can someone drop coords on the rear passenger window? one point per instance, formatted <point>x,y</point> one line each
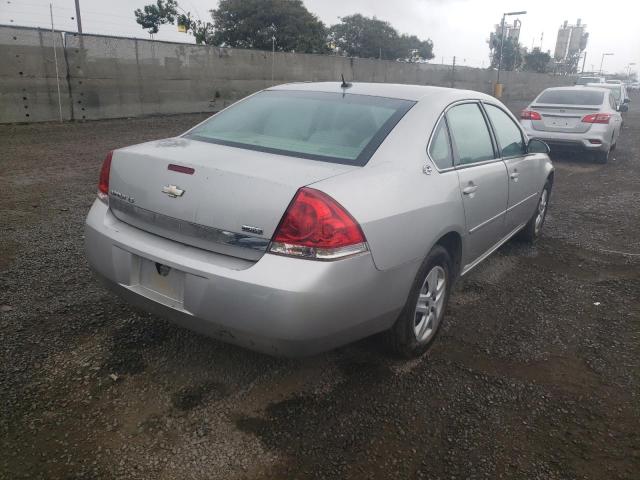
<point>470,133</point>
<point>440,149</point>
<point>508,133</point>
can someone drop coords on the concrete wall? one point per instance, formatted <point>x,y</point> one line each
<point>107,77</point>
<point>28,88</point>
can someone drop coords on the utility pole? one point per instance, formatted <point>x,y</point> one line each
<point>602,60</point>
<point>498,87</point>
<point>501,44</point>
<point>78,19</point>
<point>584,61</point>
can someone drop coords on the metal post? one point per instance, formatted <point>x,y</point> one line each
<point>501,44</point>
<point>453,72</point>
<point>583,61</point>
<point>601,62</point>
<point>273,54</point>
<point>78,19</point>
<point>55,60</point>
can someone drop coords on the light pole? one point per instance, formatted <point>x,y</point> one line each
<point>629,70</point>
<point>498,89</point>
<point>602,60</point>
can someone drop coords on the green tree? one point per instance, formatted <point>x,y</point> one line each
<point>511,56</point>
<point>537,61</point>
<point>411,42</point>
<point>150,17</point>
<point>253,23</point>
<point>360,36</point>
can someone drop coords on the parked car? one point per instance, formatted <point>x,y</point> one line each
<point>310,215</point>
<point>575,118</point>
<point>619,91</point>
<point>583,80</point>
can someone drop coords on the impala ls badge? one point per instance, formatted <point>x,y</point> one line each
<point>172,191</point>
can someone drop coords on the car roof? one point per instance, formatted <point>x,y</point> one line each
<point>390,90</point>
<point>577,88</point>
<point>608,86</point>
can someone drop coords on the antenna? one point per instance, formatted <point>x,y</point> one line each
<point>344,84</point>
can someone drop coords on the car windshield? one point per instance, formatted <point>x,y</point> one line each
<point>332,127</point>
<point>571,97</point>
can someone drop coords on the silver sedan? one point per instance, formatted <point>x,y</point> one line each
<point>310,215</point>
<point>585,119</point>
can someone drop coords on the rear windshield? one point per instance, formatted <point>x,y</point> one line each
<point>332,127</point>
<point>585,80</point>
<point>571,97</point>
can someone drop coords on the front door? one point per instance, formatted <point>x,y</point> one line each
<point>522,169</point>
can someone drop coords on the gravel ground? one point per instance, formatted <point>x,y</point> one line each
<point>536,373</point>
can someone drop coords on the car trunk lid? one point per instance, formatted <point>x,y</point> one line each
<point>562,118</point>
<point>224,199</point>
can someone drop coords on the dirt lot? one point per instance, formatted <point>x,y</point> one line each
<point>536,374</point>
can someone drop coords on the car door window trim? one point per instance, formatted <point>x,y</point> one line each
<point>522,135</point>
<point>456,160</point>
<point>456,164</point>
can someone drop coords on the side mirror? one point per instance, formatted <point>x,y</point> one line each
<point>536,145</point>
<point>627,100</point>
<point>623,108</point>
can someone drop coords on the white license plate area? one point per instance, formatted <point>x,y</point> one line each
<point>161,279</point>
<point>559,122</point>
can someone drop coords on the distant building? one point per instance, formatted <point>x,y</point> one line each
<point>511,30</point>
<point>571,42</point>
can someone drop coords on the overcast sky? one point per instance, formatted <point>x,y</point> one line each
<point>457,27</point>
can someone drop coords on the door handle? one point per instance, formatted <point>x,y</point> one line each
<point>471,189</point>
<point>514,176</point>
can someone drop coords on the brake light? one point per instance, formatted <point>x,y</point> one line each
<point>103,183</point>
<point>530,115</point>
<point>315,226</point>
<point>597,118</point>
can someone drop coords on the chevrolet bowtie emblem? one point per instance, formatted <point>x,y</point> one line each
<point>172,191</point>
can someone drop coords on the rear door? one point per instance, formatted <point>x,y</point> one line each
<point>523,171</point>
<point>481,175</point>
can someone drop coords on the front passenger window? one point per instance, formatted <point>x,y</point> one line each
<point>508,133</point>
<point>470,133</point>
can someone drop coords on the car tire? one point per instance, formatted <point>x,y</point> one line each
<point>421,318</point>
<point>532,229</point>
<point>601,157</point>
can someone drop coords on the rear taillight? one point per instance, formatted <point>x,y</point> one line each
<point>103,183</point>
<point>315,226</point>
<point>596,118</point>
<point>530,115</point>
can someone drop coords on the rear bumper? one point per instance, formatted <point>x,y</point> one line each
<point>573,141</point>
<point>277,305</point>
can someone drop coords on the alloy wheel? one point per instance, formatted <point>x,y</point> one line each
<point>542,210</point>
<point>428,311</point>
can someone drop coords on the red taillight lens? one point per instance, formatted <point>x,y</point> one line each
<point>596,118</point>
<point>103,183</point>
<point>530,115</point>
<point>316,226</point>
